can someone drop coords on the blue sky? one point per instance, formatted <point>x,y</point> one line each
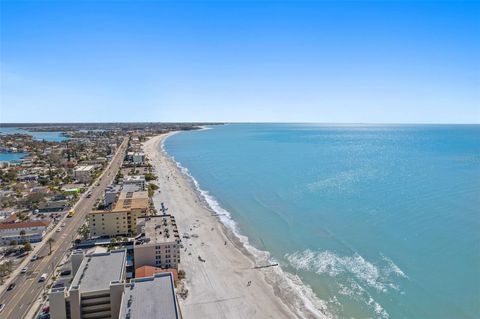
<point>375,62</point>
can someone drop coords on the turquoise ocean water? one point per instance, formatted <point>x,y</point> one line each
<point>380,221</point>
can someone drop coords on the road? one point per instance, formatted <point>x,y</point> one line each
<point>19,300</point>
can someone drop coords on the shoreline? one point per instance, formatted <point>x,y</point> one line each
<point>222,290</point>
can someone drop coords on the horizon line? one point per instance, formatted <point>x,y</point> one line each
<point>240,122</point>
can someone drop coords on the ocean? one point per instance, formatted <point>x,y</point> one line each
<point>380,221</point>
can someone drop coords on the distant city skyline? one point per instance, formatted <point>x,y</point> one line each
<point>326,62</point>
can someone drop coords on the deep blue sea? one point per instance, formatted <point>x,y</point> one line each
<point>381,221</point>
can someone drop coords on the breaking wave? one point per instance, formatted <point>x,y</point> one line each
<point>355,272</point>
<point>299,296</point>
<point>326,262</point>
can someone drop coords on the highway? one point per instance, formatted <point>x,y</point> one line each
<point>28,288</point>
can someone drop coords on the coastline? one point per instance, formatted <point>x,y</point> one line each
<point>218,287</point>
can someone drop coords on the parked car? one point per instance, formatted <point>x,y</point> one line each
<point>65,272</point>
<point>59,229</point>
<point>12,285</point>
<point>43,315</point>
<point>43,277</point>
<point>24,270</point>
<point>22,254</point>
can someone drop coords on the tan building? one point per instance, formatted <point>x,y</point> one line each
<point>122,219</point>
<point>160,244</point>
<point>96,290</point>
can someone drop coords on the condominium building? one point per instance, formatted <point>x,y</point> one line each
<point>138,180</point>
<point>138,158</point>
<point>113,191</point>
<point>96,289</point>
<point>84,173</point>
<point>32,231</point>
<point>122,219</point>
<point>150,298</point>
<point>159,245</point>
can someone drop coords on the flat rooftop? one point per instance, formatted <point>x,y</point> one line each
<point>150,297</point>
<point>131,200</point>
<point>134,178</point>
<point>160,229</point>
<point>99,269</point>
<point>124,188</point>
<point>84,168</point>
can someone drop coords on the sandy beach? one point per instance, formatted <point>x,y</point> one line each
<point>218,287</point>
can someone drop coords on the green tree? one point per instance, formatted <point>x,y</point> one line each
<point>118,177</point>
<point>50,241</point>
<point>84,232</point>
<point>151,189</point>
<point>5,269</point>
<point>32,200</point>
<point>150,177</point>
<point>27,246</point>
<point>22,235</point>
<point>9,176</point>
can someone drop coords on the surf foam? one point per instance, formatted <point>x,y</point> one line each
<point>299,296</point>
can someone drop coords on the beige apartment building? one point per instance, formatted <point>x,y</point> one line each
<point>122,219</point>
<point>159,245</point>
<point>96,290</point>
<point>99,290</point>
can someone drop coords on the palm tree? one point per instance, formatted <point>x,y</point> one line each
<point>84,232</point>
<point>22,235</point>
<point>50,241</point>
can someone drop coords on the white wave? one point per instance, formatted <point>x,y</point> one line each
<point>392,267</point>
<point>356,291</point>
<point>326,262</point>
<point>302,298</point>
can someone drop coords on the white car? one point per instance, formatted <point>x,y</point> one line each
<point>24,270</point>
<point>2,306</point>
<point>59,229</point>
<point>43,277</point>
<point>34,258</point>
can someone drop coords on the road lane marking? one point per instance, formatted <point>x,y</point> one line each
<point>75,223</point>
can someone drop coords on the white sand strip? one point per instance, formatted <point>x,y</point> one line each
<point>218,287</point>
